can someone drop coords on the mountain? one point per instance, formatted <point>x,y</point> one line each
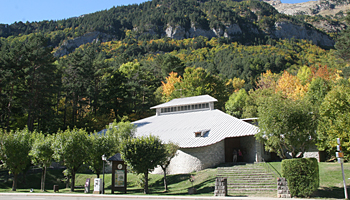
<point>112,63</point>
<point>326,15</point>
<point>237,20</point>
<point>320,7</point>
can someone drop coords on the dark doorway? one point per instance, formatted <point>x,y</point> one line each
<point>230,144</point>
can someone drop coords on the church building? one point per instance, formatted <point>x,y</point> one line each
<point>206,136</point>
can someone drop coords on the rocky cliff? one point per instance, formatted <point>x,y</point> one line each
<point>281,29</point>
<point>285,29</point>
<point>310,7</point>
<point>70,45</point>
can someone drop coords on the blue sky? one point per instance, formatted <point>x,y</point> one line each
<point>39,10</point>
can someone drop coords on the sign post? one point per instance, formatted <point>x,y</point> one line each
<point>340,157</point>
<point>104,158</point>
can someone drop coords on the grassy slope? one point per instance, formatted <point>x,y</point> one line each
<point>331,179</point>
<point>177,184</point>
<point>331,182</point>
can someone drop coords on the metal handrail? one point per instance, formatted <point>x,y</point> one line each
<point>270,168</point>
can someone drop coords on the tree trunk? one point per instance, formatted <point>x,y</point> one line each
<point>98,175</point>
<point>43,177</point>
<point>165,183</point>
<point>14,182</point>
<point>146,183</point>
<point>73,181</point>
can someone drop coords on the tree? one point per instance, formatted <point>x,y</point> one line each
<point>168,87</point>
<point>28,82</point>
<point>14,151</point>
<point>171,149</point>
<point>236,103</point>
<point>108,143</point>
<point>169,63</point>
<point>42,153</point>
<point>343,43</point>
<point>237,84</point>
<point>317,91</point>
<point>71,147</point>
<point>291,86</point>
<point>286,126</point>
<point>197,81</point>
<point>100,145</point>
<point>143,154</point>
<point>335,119</point>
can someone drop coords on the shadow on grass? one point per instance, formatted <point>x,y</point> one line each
<point>53,177</point>
<point>330,192</point>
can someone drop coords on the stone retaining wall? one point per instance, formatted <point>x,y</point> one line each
<point>282,188</point>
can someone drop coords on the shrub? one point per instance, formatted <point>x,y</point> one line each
<point>302,175</point>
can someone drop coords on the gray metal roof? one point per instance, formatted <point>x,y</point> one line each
<point>180,128</point>
<point>187,101</point>
<point>116,157</point>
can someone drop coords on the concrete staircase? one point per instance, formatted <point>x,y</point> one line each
<point>248,179</point>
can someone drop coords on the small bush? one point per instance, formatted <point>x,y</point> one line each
<point>302,175</point>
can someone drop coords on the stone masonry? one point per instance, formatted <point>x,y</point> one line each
<point>282,188</point>
<point>220,186</point>
<point>189,160</point>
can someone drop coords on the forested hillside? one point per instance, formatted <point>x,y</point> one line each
<point>90,70</point>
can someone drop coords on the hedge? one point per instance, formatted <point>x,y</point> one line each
<point>302,175</point>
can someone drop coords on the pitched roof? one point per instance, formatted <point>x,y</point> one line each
<point>116,157</point>
<point>180,128</point>
<point>187,101</point>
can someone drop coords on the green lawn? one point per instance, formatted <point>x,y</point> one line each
<point>177,184</point>
<point>331,182</point>
<point>331,178</point>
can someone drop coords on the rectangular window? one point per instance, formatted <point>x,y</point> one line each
<point>199,106</point>
<point>185,107</point>
<point>192,107</point>
<point>197,134</point>
<point>162,110</point>
<point>188,107</point>
<point>196,106</point>
<point>172,109</point>
<point>207,105</point>
<point>182,108</point>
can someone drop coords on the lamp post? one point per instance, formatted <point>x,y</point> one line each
<point>103,182</point>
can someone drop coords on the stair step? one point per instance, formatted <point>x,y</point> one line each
<point>248,179</point>
<point>250,190</point>
<point>254,184</point>
<point>247,175</point>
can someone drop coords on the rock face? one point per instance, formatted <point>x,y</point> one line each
<point>179,32</point>
<point>273,2</point>
<point>281,29</point>
<point>308,8</point>
<point>70,45</point>
<point>329,27</point>
<point>288,30</point>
